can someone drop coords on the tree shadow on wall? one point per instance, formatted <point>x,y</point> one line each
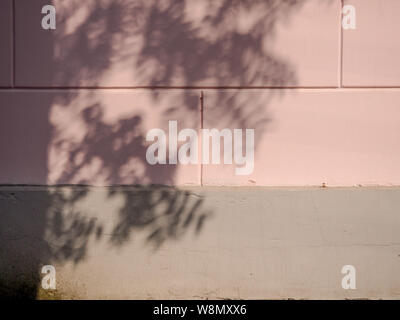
<point>88,136</point>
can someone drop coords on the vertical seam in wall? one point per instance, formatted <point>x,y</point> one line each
<point>341,46</point>
<point>13,45</point>
<point>200,141</point>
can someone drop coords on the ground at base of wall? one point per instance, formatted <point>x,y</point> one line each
<point>158,242</point>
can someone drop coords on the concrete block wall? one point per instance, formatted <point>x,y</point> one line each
<point>76,102</point>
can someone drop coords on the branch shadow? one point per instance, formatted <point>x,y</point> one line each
<point>143,43</point>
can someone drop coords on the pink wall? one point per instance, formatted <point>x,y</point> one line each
<point>76,102</point>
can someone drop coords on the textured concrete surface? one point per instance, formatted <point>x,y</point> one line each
<point>157,242</point>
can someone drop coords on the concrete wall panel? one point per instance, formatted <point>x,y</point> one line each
<point>186,43</point>
<point>311,137</point>
<point>6,43</point>
<point>371,51</point>
<point>86,137</point>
